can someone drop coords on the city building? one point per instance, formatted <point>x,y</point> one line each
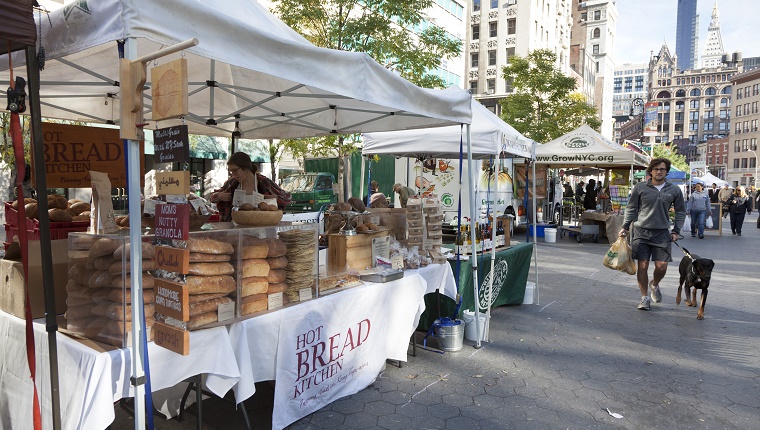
<point>687,34</point>
<point>713,54</point>
<point>594,32</point>
<point>742,146</point>
<point>500,29</point>
<point>693,104</point>
<point>630,82</point>
<point>717,156</point>
<point>451,16</point>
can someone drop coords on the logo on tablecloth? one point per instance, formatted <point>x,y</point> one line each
<point>500,270</point>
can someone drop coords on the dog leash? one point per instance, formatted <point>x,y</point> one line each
<point>685,251</point>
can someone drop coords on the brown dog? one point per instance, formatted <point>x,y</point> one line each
<point>695,272</point>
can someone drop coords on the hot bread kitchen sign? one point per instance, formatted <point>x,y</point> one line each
<point>72,151</point>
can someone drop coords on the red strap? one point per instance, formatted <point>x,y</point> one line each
<point>18,148</point>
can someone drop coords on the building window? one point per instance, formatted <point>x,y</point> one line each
<point>508,85</point>
<point>476,5</point>
<point>739,110</point>
<point>710,114</point>
<point>744,163</point>
<point>737,145</point>
<point>597,67</point>
<point>597,15</point>
<point>694,115</point>
<point>596,33</point>
<point>707,126</point>
<point>473,87</point>
<point>710,91</point>
<point>595,49</point>
<point>492,57</point>
<point>726,90</point>
<point>736,163</point>
<point>694,104</point>
<point>510,53</point>
<point>679,116</point>
<point>695,92</point>
<point>710,103</point>
<point>493,29</point>
<point>512,26</point>
<point>476,32</point>
<point>724,102</point>
<point>494,4</point>
<point>584,16</point>
<point>474,60</point>
<point>679,105</point>
<point>694,126</point>
<point>491,84</point>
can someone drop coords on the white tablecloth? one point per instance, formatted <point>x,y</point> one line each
<point>255,341</point>
<point>438,276</point>
<point>91,381</point>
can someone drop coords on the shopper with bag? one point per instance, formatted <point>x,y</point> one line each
<point>699,209</point>
<point>648,206</point>
<point>738,206</point>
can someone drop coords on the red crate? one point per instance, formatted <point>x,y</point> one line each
<point>56,232</point>
<point>11,217</point>
<point>11,231</point>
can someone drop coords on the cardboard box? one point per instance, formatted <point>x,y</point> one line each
<point>12,293</point>
<point>351,252</point>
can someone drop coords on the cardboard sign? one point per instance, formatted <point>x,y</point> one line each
<point>171,144</point>
<point>175,260</point>
<point>72,151</point>
<point>275,300</point>
<point>172,222</point>
<point>304,294</point>
<point>171,338</point>
<point>172,299</point>
<point>381,247</point>
<point>173,182</point>
<point>169,89</point>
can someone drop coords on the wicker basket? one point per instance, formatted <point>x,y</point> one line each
<point>257,218</point>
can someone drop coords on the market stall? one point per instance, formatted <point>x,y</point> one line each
<point>488,137</point>
<point>278,87</point>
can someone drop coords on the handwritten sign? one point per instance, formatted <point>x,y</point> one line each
<point>72,151</point>
<point>172,222</point>
<point>381,247</point>
<point>171,338</point>
<point>173,182</point>
<point>171,144</point>
<point>172,299</point>
<point>175,260</point>
<point>274,300</point>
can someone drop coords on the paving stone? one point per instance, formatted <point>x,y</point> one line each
<point>348,405</point>
<point>360,420</point>
<point>394,422</point>
<point>379,408</point>
<point>412,410</point>
<point>462,422</point>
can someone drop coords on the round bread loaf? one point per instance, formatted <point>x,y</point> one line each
<point>342,207</point>
<point>207,269</point>
<point>101,278</point>
<point>197,257</point>
<point>103,246</point>
<point>81,217</point>
<point>59,215</point>
<point>117,267</point>
<point>247,207</point>
<point>31,211</point>
<point>27,200</point>
<point>210,284</point>
<point>148,251</point>
<point>253,285</point>
<point>277,248</point>
<point>103,263</point>
<point>277,288</point>
<point>95,327</point>
<point>57,201</point>
<point>357,204</point>
<point>253,303</point>
<point>255,248</point>
<point>263,206</point>
<point>277,262</point>
<point>255,267</point>
<point>276,275</point>
<point>77,208</point>
<point>202,320</point>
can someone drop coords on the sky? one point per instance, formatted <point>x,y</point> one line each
<point>643,26</point>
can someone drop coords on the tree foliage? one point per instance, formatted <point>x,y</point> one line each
<point>544,105</point>
<point>666,151</point>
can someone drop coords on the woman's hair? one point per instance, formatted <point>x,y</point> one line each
<point>656,162</point>
<point>740,191</point>
<point>373,185</point>
<point>242,160</point>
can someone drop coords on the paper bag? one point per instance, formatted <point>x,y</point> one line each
<point>618,257</point>
<point>102,218</point>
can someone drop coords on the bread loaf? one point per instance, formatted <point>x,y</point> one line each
<point>117,328</point>
<point>81,217</point>
<point>209,246</point>
<point>147,281</point>
<point>203,297</point>
<point>95,327</point>
<point>31,210</point>
<point>198,308</point>
<point>209,269</point>
<point>197,257</point>
<point>119,312</point>
<point>80,274</point>
<point>57,201</point>
<point>116,295</point>
<point>27,200</point>
<point>253,303</point>
<point>357,204</point>
<point>257,249</point>
<point>255,267</point>
<point>59,215</point>
<point>202,320</point>
<point>103,246</point>
<point>276,275</point>
<point>104,263</point>
<point>79,207</point>
<point>78,256</point>
<point>101,278</point>
<point>277,262</point>
<point>83,241</point>
<point>210,284</point>
<point>277,248</point>
<point>116,268</point>
<point>253,285</point>
<point>277,288</point>
<point>78,300</point>
<point>148,251</point>
<point>74,312</point>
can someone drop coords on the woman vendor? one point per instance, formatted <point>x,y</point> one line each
<point>243,175</point>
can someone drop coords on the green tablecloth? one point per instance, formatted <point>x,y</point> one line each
<point>511,273</point>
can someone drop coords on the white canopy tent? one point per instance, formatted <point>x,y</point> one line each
<point>249,73</point>
<point>488,136</point>
<point>584,146</point>
<point>710,179</point>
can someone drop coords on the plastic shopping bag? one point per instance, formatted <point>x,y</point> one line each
<point>709,222</point>
<point>687,224</point>
<point>618,257</point>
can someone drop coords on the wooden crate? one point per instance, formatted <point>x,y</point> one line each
<point>351,252</point>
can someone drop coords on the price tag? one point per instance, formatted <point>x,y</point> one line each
<point>255,198</point>
<point>381,247</point>
<point>304,294</point>
<point>197,204</point>
<point>176,198</point>
<point>149,206</point>
<point>274,301</point>
<point>397,262</point>
<point>226,311</point>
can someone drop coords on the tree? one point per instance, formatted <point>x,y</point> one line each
<point>393,32</point>
<point>544,105</point>
<point>666,151</point>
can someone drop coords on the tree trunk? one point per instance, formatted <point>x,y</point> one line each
<point>341,171</point>
<point>272,159</point>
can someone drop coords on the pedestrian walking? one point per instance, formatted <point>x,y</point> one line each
<point>738,206</point>
<point>699,210</point>
<point>713,192</point>
<point>649,207</point>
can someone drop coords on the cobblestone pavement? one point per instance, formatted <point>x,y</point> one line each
<point>581,350</point>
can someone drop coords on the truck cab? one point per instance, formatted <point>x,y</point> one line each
<point>309,191</point>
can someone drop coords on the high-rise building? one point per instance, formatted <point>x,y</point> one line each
<point>500,29</point>
<point>713,52</point>
<point>687,34</point>
<point>630,82</point>
<point>742,146</point>
<point>595,31</point>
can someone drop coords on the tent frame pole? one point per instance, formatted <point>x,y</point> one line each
<point>473,220</point>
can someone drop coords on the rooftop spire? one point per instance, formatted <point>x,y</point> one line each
<point>714,47</point>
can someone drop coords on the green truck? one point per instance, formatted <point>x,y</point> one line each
<point>309,191</point>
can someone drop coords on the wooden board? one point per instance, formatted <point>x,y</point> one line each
<point>169,90</point>
<point>171,338</point>
<point>353,252</point>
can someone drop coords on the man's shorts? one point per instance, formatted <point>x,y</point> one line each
<point>652,245</point>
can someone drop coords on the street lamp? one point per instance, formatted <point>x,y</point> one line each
<point>638,101</point>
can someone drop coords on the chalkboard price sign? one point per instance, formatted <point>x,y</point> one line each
<point>171,144</point>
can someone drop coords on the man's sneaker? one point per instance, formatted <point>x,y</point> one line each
<point>656,294</point>
<point>644,303</point>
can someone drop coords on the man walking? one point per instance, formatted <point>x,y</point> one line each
<point>713,192</point>
<point>648,207</point>
<point>723,195</point>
